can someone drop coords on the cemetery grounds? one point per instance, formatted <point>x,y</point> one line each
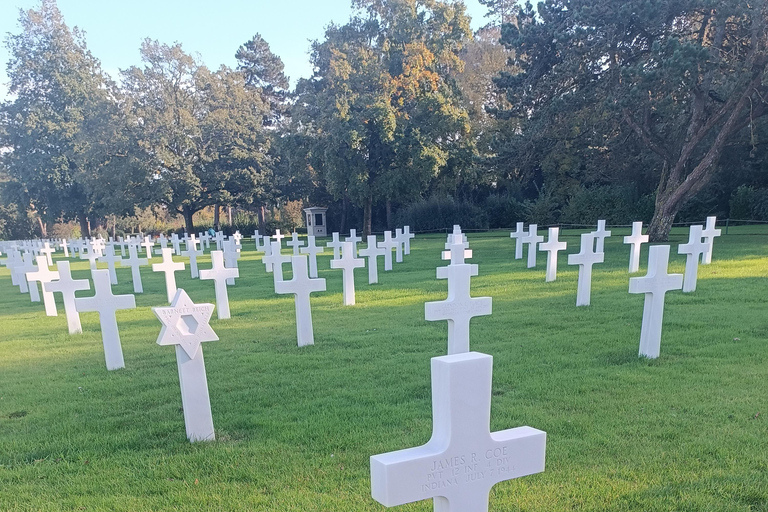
<point>295,427</point>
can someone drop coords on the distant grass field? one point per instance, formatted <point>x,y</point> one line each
<point>295,427</point>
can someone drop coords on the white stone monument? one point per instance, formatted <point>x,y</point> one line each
<point>709,233</point>
<point>533,239</point>
<point>47,251</point>
<point>400,238</point>
<point>463,459</point>
<point>518,236</point>
<point>552,246</point>
<point>168,267</point>
<point>600,235</point>
<point>107,304</point>
<point>295,243</point>
<point>231,255</point>
<point>354,239</point>
<point>279,238</point>
<point>408,237</point>
<point>276,259</point>
<point>186,325</point>
<point>220,275</point>
<point>148,244</point>
<point>91,255</point>
<point>694,249</point>
<point>585,259</point>
<point>372,252</point>
<point>655,286</point>
<point>135,262</point>
<point>635,240</point>
<point>301,286</point>
<point>43,275</point>
<point>348,263</point>
<point>335,244</point>
<point>312,251</point>
<point>388,245</point>
<point>110,259</point>
<point>67,287</point>
<point>459,308</point>
<point>27,267</point>
<point>192,253</point>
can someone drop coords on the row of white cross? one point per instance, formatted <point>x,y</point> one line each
<point>463,460</point>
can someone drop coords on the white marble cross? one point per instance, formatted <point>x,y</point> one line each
<point>163,241</point>
<point>388,244</point>
<point>585,259</point>
<point>372,252</point>
<point>25,268</point>
<point>19,266</point>
<point>266,260</point>
<point>220,276</point>
<point>295,243</point>
<point>636,240</point>
<point>186,325</point>
<point>694,249</point>
<point>301,286</point>
<point>656,283</point>
<point>533,239</point>
<point>518,236</point>
<point>279,238</point>
<point>121,243</point>
<point>148,244</point>
<point>335,244</point>
<point>176,244</point>
<point>456,237</point>
<point>107,304</point>
<point>260,241</point>
<point>400,247</point>
<point>709,233</point>
<point>600,235</point>
<point>47,251</point>
<point>219,239</point>
<point>205,239</point>
<point>67,287</point>
<point>348,263</point>
<point>169,268</point>
<point>312,250</point>
<point>460,307</point>
<point>354,239</point>
<point>110,258</point>
<point>43,275</point>
<point>64,247</point>
<point>463,459</point>
<point>551,247</point>
<point>275,259</point>
<point>408,237</point>
<point>192,253</point>
<point>135,262</point>
<point>89,254</point>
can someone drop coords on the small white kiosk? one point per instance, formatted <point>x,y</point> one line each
<point>316,225</point>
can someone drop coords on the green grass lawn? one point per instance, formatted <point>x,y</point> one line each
<point>296,427</point>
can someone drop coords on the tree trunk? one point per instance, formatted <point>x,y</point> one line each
<point>229,215</point>
<point>344,205</point>
<point>189,225</point>
<point>216,219</point>
<point>389,214</point>
<point>367,214</point>
<point>262,219</point>
<point>43,227</point>
<point>85,226</point>
<point>663,217</point>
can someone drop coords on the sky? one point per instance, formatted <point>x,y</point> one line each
<point>213,29</point>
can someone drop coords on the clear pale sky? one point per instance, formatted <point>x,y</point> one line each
<point>214,29</point>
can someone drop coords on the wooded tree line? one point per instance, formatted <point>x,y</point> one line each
<point>640,109</point>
